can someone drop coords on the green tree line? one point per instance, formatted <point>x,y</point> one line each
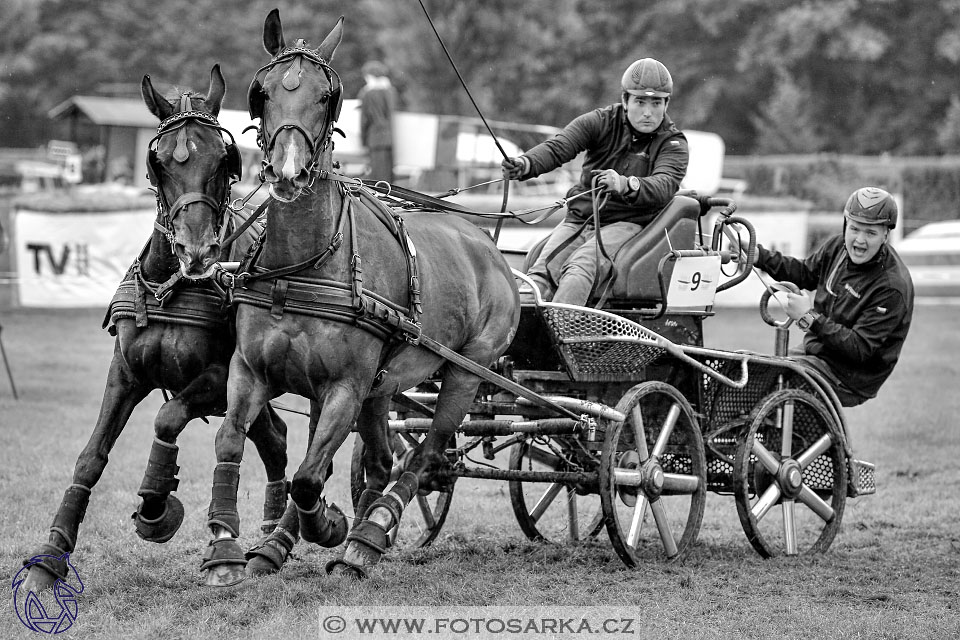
<point>770,76</point>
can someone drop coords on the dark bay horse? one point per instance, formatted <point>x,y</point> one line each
<point>336,300</point>
<point>172,329</point>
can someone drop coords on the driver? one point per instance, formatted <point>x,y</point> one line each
<point>861,311</point>
<point>639,158</point>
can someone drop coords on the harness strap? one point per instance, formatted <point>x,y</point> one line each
<point>278,296</point>
<point>246,223</point>
<point>317,261</point>
<point>395,224</point>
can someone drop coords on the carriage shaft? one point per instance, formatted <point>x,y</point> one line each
<point>551,426</point>
<point>565,477</point>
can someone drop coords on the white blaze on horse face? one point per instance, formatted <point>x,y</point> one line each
<point>289,169</point>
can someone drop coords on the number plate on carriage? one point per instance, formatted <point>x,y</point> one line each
<point>694,281</point>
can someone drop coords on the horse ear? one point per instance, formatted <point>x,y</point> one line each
<point>156,103</point>
<point>331,42</point>
<point>218,88</point>
<point>273,33</point>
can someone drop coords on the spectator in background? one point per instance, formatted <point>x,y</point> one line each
<point>378,100</point>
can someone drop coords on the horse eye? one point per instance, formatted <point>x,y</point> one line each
<point>324,98</point>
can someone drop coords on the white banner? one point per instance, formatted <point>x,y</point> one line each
<point>76,259</point>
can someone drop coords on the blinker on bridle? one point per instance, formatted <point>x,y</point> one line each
<point>176,123</point>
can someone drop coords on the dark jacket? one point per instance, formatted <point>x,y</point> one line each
<point>659,159</point>
<point>865,309</point>
<point>376,109</point>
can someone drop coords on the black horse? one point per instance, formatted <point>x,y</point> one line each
<point>172,328</point>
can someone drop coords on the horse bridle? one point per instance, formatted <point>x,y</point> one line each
<point>167,212</point>
<point>256,97</point>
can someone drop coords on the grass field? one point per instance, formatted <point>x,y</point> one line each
<point>892,572</point>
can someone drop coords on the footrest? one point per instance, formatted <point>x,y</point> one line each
<point>867,484</point>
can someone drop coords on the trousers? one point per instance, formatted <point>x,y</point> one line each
<point>570,265</point>
<point>846,396</point>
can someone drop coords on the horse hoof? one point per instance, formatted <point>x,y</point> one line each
<point>162,528</point>
<point>223,563</point>
<point>224,575</point>
<point>38,579</point>
<point>342,568</point>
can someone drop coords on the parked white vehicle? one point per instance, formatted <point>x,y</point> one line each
<point>932,253</point>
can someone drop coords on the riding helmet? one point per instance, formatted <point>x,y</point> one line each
<point>647,77</point>
<point>871,205</point>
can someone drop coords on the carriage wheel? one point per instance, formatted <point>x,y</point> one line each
<point>790,490</point>
<point>553,511</point>
<point>425,515</point>
<point>653,475</point>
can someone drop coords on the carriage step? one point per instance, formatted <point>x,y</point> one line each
<point>867,484</point>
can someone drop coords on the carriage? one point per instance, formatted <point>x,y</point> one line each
<point>609,414</point>
<point>650,419</point>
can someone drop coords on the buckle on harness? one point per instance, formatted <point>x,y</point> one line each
<point>411,331</point>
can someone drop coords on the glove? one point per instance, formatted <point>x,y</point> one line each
<point>612,181</point>
<point>515,168</point>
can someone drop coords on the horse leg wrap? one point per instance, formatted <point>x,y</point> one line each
<point>270,553</point>
<point>222,551</point>
<point>223,506</point>
<point>323,525</point>
<point>368,540</point>
<point>66,524</point>
<point>274,504</point>
<point>366,499</point>
<point>158,481</point>
<point>160,477</point>
<point>55,565</point>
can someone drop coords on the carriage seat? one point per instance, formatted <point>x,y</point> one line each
<point>637,261</point>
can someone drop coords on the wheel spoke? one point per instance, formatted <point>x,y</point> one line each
<point>545,501</point>
<point>663,526</point>
<point>542,456</point>
<point>822,445</point>
<point>816,503</point>
<point>769,461</point>
<point>668,424</point>
<point>636,521</point>
<point>675,484</point>
<point>789,528</point>
<point>786,426</point>
<point>767,500</point>
<point>426,511</point>
<point>409,441</point>
<point>572,513</point>
<point>638,433</point>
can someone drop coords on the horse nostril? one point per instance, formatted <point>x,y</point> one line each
<point>212,254</point>
<point>269,174</point>
<point>179,249</point>
<point>302,179</point>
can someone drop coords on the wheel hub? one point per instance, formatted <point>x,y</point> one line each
<point>652,474</point>
<point>628,494</point>
<point>790,478</point>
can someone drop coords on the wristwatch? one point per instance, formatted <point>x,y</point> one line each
<point>633,184</point>
<point>806,321</point>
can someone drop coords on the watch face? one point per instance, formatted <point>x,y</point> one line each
<point>634,183</point>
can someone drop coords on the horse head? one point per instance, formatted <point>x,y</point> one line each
<point>191,166</point>
<point>297,96</point>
